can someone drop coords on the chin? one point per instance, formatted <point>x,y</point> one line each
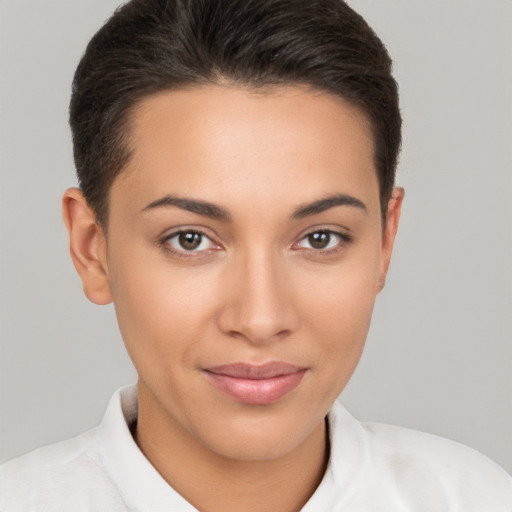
<point>250,448</point>
<point>258,439</point>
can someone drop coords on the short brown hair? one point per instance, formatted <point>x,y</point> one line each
<point>152,45</point>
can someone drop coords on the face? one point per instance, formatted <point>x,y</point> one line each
<point>245,251</point>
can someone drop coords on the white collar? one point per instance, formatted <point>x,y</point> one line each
<point>143,488</point>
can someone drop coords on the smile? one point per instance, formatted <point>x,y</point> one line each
<point>256,384</point>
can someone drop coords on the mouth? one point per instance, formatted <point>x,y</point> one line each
<point>256,384</point>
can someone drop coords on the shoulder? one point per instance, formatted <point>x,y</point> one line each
<point>375,466</point>
<point>417,461</point>
<point>57,477</point>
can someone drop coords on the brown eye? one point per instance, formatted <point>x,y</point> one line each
<point>324,240</point>
<point>190,240</point>
<point>319,240</point>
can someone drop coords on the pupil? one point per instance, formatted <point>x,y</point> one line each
<point>319,240</point>
<point>190,241</point>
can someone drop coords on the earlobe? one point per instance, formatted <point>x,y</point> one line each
<point>87,245</point>
<point>389,234</point>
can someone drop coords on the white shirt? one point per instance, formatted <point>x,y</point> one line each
<point>372,468</point>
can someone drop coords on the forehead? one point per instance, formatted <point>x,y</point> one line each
<point>228,142</point>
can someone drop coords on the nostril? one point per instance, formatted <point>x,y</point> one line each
<point>269,329</point>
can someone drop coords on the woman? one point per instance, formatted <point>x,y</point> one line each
<point>237,205</point>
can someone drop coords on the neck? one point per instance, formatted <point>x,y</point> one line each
<point>214,483</point>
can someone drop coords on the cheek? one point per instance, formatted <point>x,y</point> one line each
<point>161,310</point>
<point>336,313</point>
<point>340,317</point>
<point>341,298</point>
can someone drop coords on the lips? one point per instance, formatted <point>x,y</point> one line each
<point>256,384</point>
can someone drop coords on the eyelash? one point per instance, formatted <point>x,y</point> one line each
<point>164,243</point>
<point>344,240</point>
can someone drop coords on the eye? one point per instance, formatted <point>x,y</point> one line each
<point>323,240</point>
<point>189,241</point>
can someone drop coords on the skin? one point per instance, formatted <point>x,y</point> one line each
<point>254,291</point>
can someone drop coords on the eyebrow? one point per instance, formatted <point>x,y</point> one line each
<point>216,212</point>
<point>325,204</point>
<point>191,205</point>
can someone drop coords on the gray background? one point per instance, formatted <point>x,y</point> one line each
<point>439,354</point>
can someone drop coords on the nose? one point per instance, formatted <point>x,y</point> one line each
<point>258,305</point>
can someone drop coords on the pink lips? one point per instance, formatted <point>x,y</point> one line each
<point>256,384</point>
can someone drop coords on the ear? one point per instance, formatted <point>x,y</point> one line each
<point>87,245</point>
<point>389,233</point>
